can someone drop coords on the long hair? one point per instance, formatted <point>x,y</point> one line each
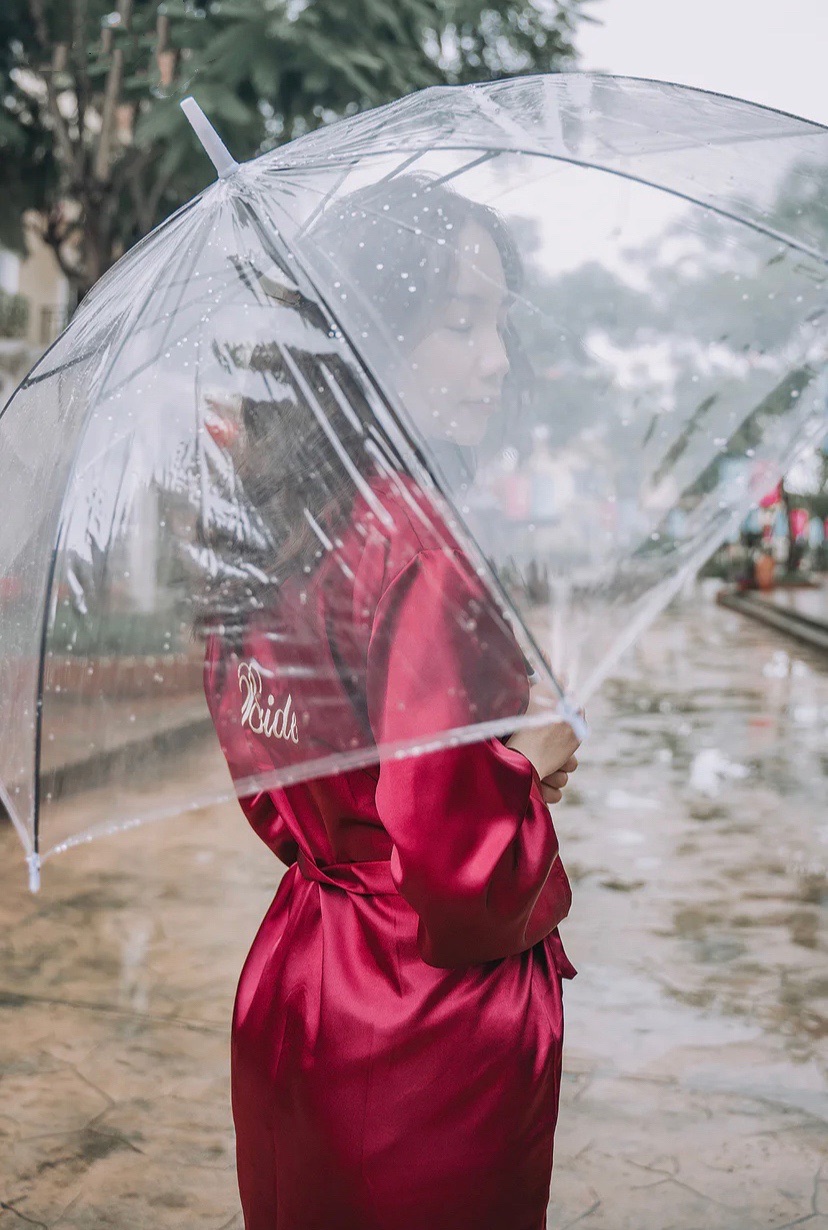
<point>288,469</point>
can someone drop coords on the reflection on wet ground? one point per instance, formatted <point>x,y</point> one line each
<point>696,1083</point>
<point>695,1090</point>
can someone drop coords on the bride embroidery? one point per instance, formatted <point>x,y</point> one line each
<point>264,719</point>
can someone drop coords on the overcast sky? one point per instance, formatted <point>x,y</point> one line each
<point>769,51</point>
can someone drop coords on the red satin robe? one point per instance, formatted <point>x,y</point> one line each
<point>397,1033</point>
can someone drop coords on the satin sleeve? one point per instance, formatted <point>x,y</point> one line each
<point>267,822</point>
<point>474,843</point>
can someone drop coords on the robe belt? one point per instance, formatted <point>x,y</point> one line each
<point>371,879</point>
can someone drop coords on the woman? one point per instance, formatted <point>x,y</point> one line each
<point>398,1026</point>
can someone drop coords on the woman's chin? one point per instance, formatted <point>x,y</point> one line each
<point>469,437</point>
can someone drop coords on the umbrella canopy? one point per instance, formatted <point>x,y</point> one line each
<point>551,332</point>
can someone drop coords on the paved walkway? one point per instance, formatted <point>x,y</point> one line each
<point>695,1089</point>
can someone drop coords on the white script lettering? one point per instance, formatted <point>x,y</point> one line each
<point>265,719</point>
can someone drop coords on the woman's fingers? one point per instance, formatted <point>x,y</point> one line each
<point>550,794</point>
<point>552,787</point>
<point>557,780</point>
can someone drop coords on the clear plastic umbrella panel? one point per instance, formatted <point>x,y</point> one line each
<point>563,329</point>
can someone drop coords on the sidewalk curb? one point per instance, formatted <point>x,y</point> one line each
<point>71,778</point>
<point>802,627</point>
<point>93,771</point>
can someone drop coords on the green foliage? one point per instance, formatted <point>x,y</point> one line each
<point>263,70</point>
<point>14,315</point>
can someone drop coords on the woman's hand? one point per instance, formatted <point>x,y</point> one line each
<point>551,748</point>
<point>552,787</point>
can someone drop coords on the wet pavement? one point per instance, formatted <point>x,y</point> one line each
<point>695,1090</point>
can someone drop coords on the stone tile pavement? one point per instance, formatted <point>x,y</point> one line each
<point>695,1090</point>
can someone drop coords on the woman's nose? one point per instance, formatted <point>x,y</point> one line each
<point>494,358</point>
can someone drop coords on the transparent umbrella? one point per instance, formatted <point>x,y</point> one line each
<point>539,343</point>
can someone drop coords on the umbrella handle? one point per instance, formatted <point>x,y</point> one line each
<point>33,861</point>
<point>214,147</point>
<point>571,715</point>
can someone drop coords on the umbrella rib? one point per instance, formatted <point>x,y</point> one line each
<point>33,379</point>
<point>104,391</point>
<point>44,631</point>
<point>309,221</point>
<point>762,229</point>
<point>476,162</point>
<point>34,864</point>
<point>319,414</point>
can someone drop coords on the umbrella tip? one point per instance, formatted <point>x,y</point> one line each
<point>34,872</point>
<point>214,147</point>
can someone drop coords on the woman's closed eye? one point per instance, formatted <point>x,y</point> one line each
<point>461,325</point>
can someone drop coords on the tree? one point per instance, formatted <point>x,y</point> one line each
<point>91,135</point>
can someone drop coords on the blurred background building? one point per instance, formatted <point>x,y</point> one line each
<point>34,306</point>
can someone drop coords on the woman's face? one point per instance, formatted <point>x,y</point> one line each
<point>457,370</point>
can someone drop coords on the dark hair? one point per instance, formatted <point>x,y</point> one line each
<point>291,477</point>
<point>401,225</point>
